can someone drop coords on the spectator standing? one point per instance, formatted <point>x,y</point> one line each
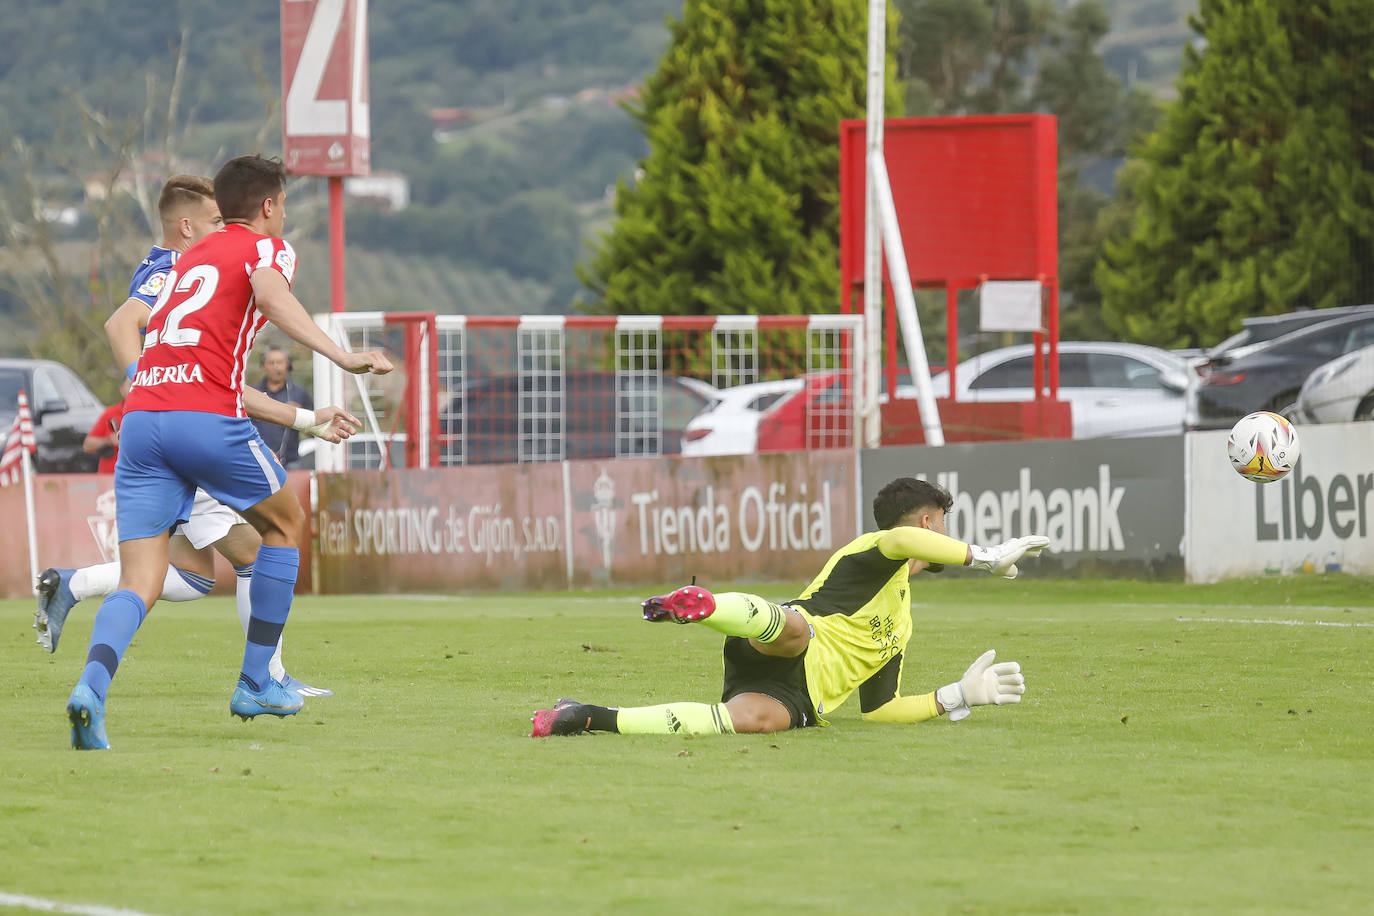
<point>276,383</point>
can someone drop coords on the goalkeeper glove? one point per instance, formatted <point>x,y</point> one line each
<point>983,684</point>
<point>1001,560</point>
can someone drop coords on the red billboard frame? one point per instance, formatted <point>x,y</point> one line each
<point>976,200</point>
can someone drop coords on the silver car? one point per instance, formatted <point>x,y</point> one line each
<point>1339,391</point>
<point>1114,389</point>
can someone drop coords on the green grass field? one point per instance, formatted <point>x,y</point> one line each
<point>1172,755</point>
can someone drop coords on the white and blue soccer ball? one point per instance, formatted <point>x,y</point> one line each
<point>1263,447</point>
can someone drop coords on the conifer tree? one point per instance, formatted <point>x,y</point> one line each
<point>735,210</point>
<point>1256,194</point>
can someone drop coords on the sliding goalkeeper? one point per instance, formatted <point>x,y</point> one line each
<point>787,666</point>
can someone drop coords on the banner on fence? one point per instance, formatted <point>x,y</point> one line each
<point>75,515</point>
<point>584,524</point>
<point>1317,519</point>
<point>1109,507</point>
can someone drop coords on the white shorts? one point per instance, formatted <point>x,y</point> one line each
<point>210,520</point>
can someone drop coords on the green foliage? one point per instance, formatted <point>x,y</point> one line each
<point>1163,760</point>
<point>1256,194</point>
<point>736,208</point>
<point>1003,56</point>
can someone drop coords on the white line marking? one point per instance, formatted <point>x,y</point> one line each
<point>1271,620</point>
<point>54,906</point>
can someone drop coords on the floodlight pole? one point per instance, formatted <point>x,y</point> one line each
<point>873,251</point>
<point>880,227</point>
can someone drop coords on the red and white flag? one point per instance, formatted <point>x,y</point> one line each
<point>20,438</point>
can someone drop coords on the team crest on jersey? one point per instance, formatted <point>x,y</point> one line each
<point>153,285</point>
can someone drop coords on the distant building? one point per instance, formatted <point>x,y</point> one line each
<point>391,189</point>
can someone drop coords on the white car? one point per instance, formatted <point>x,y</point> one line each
<point>729,423</point>
<point>1114,389</point>
<point>1339,391</point>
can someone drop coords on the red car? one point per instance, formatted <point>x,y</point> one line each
<point>819,415</point>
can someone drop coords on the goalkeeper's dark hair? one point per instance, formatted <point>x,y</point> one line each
<point>905,494</point>
<point>244,183</point>
<point>181,190</point>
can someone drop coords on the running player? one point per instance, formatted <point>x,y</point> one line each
<point>186,427</point>
<point>187,212</point>
<point>786,666</point>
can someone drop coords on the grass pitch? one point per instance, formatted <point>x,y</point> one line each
<point>1181,749</point>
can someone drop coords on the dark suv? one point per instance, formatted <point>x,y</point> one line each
<point>1268,375</point>
<point>1261,328</point>
<point>63,409</point>
<point>580,414</point>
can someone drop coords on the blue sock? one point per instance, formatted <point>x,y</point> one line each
<point>116,622</point>
<point>270,592</point>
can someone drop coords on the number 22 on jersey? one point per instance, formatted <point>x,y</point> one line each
<point>200,281</point>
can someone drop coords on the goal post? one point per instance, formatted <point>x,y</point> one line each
<point>492,389</point>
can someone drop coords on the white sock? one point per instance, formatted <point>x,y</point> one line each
<point>244,576</point>
<point>96,580</point>
<point>180,585</point>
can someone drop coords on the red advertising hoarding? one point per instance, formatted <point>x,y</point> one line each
<point>585,524</point>
<point>74,515</point>
<point>325,117</point>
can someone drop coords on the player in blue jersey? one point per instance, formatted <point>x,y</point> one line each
<point>188,213</point>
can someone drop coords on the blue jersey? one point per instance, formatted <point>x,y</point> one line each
<point>151,275</point>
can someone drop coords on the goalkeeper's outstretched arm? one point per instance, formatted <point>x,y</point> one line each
<point>986,683</point>
<point>907,542</point>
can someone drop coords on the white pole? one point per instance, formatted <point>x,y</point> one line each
<point>912,338</point>
<point>873,252</point>
<point>27,469</point>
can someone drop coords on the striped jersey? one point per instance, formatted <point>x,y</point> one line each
<point>860,609</point>
<point>203,323</point>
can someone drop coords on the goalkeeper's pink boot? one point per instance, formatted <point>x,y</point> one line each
<point>686,605</point>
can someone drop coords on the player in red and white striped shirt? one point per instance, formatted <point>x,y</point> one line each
<point>185,426</point>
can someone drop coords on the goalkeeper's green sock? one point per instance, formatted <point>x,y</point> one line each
<point>675,718</point>
<point>748,616</point>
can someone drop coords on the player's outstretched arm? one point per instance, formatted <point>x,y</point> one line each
<point>987,682</point>
<point>906,542</point>
<point>273,297</point>
<point>332,424</point>
<point>124,330</point>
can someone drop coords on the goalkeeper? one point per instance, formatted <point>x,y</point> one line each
<point>787,666</point>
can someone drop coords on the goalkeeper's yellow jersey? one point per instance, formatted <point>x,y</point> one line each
<point>860,609</point>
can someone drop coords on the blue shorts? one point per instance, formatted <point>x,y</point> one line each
<point>165,455</point>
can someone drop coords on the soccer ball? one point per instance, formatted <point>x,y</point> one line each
<point>1263,447</point>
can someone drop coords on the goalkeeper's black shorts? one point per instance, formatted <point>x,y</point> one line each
<point>747,670</point>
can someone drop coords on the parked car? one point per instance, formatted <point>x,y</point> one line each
<point>590,414</point>
<point>1268,375</point>
<point>1339,391</point>
<point>819,414</point>
<point>1261,328</point>
<point>729,423</point>
<point>1113,389</point>
<point>63,410</point>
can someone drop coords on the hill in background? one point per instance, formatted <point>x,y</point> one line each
<point>502,121</point>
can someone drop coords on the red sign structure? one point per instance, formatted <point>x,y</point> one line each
<point>976,200</point>
<point>325,119</point>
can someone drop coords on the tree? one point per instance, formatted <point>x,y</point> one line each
<point>1256,194</point>
<point>735,209</point>
<point>963,57</point>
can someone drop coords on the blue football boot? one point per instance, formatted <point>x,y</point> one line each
<point>55,599</point>
<point>87,715</point>
<point>272,700</point>
<point>303,689</point>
